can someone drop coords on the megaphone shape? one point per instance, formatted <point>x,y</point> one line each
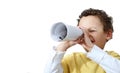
<point>62,32</point>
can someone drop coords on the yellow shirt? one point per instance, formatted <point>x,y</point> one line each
<point>79,63</point>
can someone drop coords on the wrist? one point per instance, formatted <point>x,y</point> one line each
<point>64,46</point>
<point>88,49</point>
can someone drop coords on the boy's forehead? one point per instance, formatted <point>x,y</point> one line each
<point>90,21</point>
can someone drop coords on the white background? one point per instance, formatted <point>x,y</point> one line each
<point>25,25</point>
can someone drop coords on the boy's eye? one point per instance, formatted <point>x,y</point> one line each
<point>93,30</point>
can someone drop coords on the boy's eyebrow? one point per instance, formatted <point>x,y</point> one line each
<point>92,29</point>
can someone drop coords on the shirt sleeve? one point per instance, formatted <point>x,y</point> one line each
<point>54,63</point>
<point>107,62</point>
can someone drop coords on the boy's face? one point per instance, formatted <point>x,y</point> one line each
<point>94,27</point>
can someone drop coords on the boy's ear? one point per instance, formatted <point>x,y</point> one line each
<point>109,35</point>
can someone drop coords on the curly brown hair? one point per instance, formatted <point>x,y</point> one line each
<point>102,15</point>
